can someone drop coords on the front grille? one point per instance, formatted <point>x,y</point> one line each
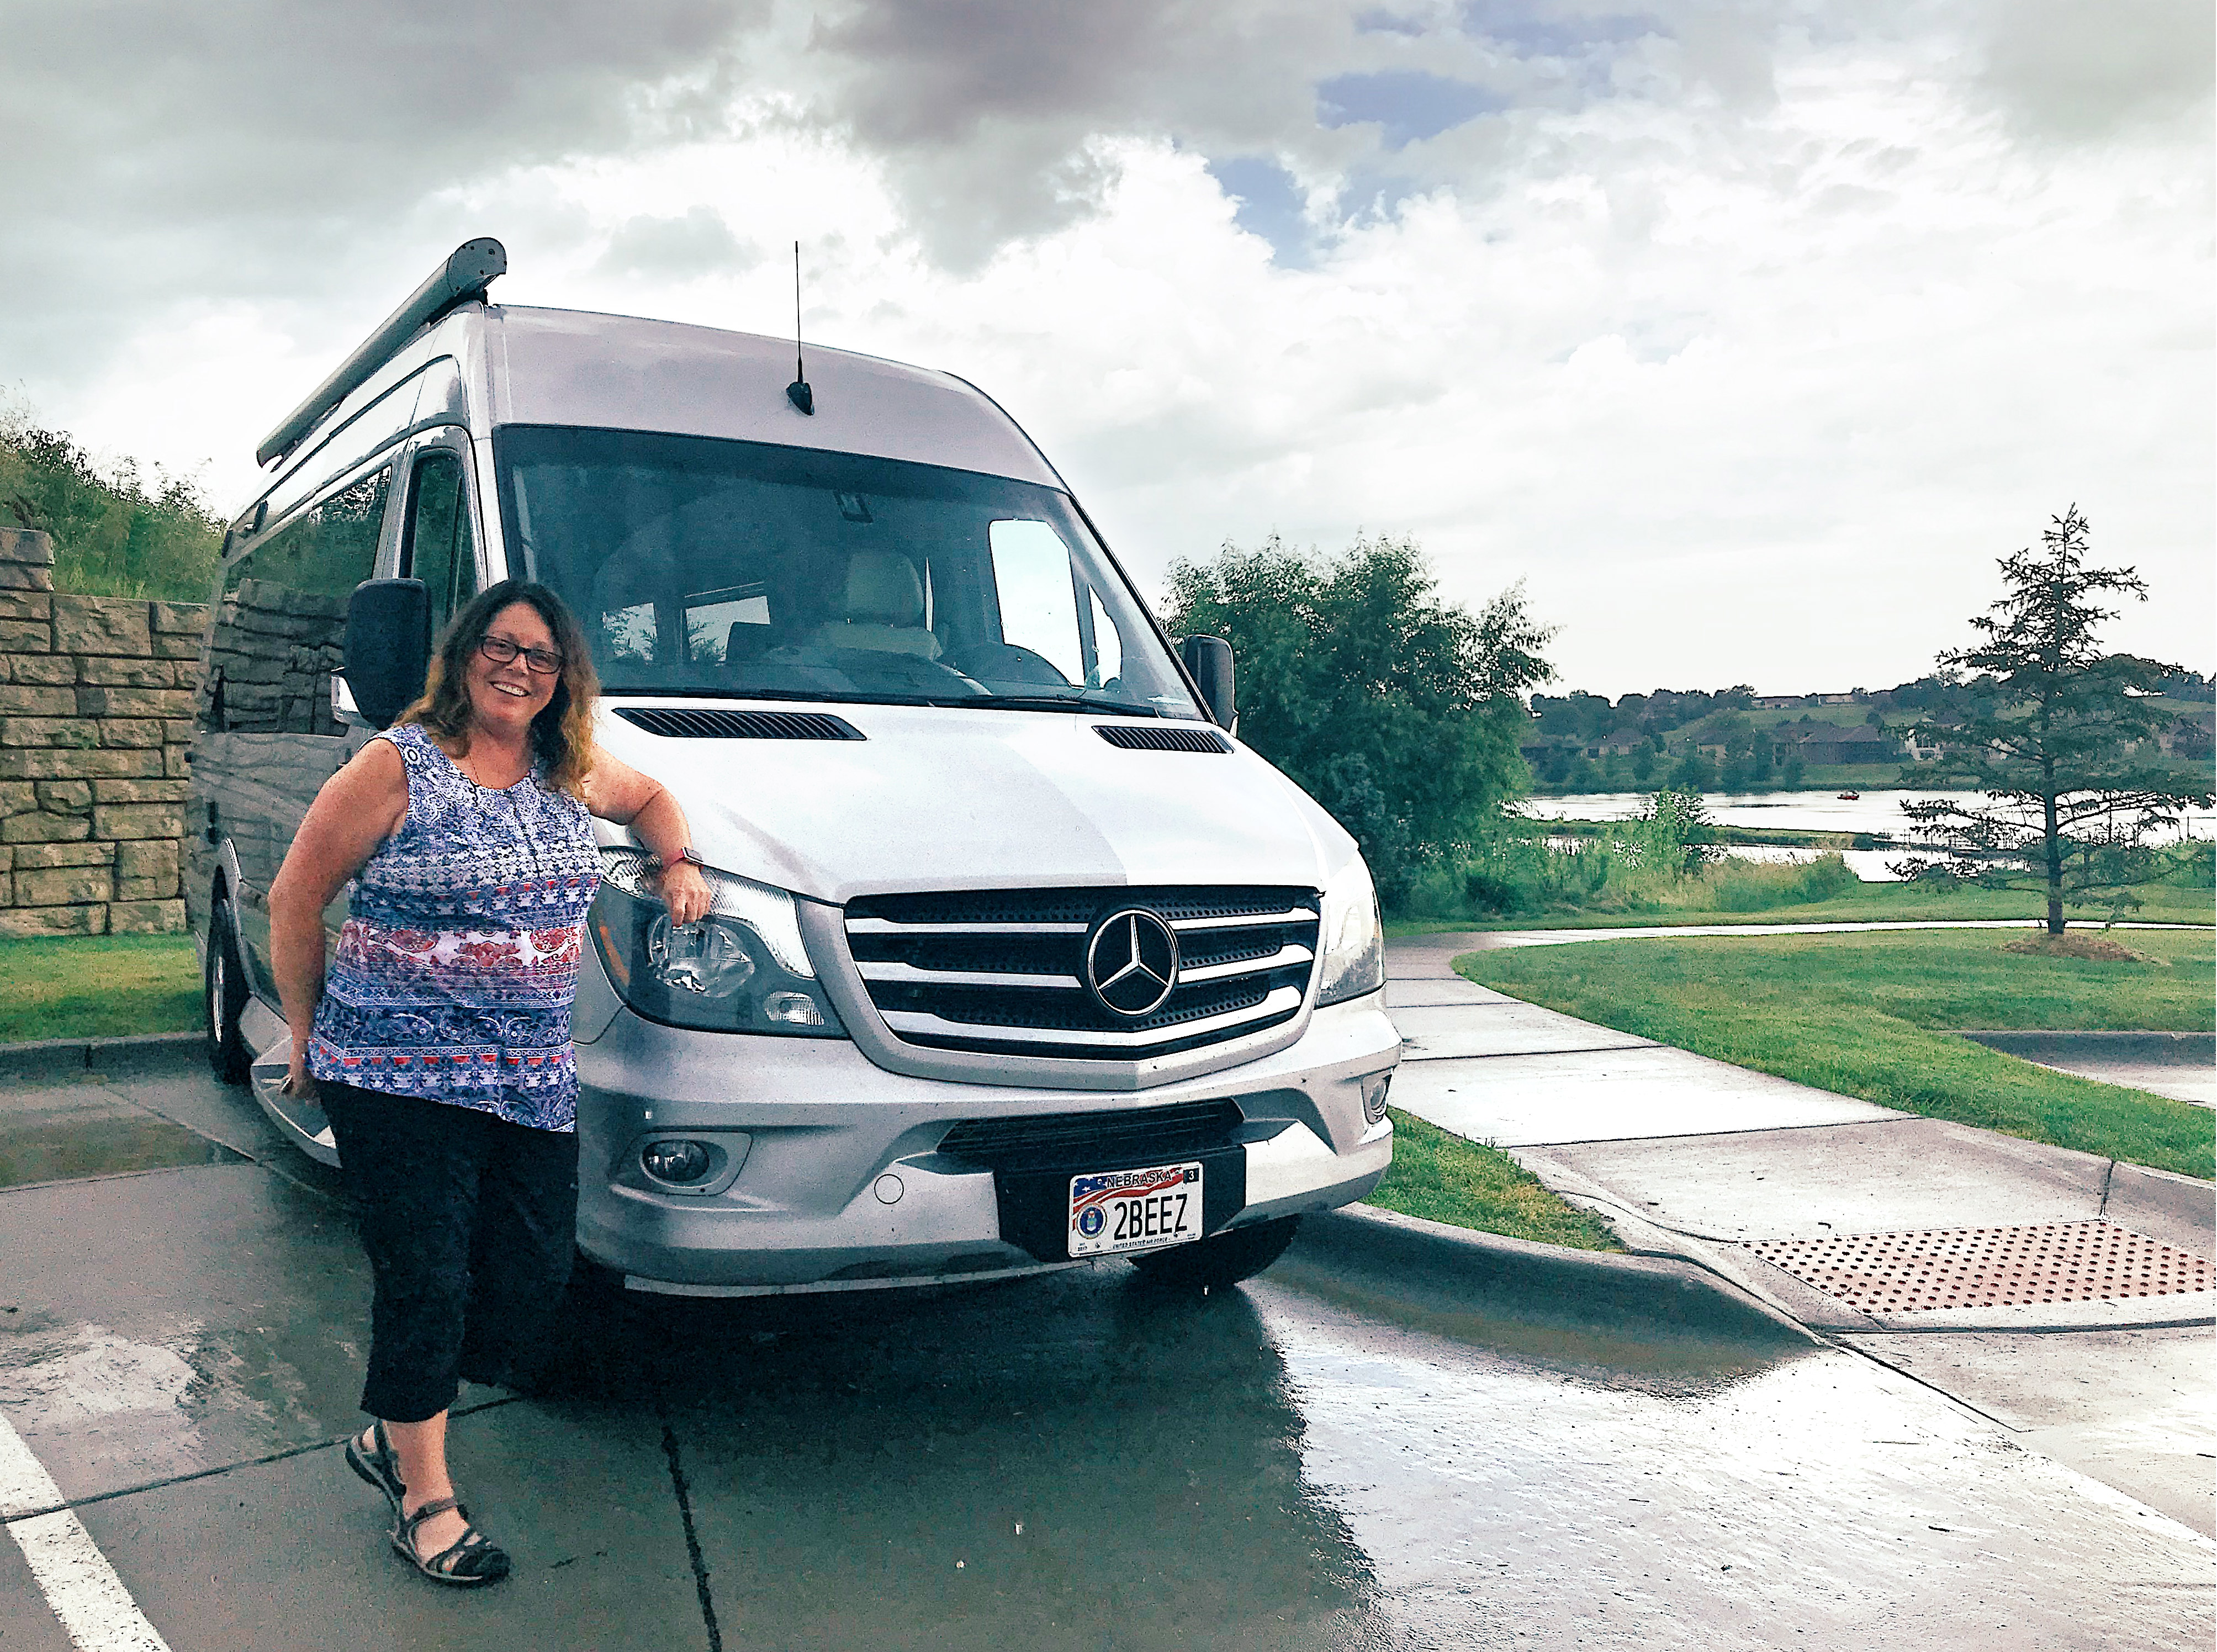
<point>693,724</point>
<point>1095,1141</point>
<point>1155,739</point>
<point>1002,972</point>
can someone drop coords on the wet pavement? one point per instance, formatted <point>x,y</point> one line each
<point>1691,1158</point>
<point>1356,1450</point>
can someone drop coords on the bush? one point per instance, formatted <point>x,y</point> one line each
<point>116,533</point>
<point>2194,865</point>
<point>1744,886</point>
<point>1659,860</point>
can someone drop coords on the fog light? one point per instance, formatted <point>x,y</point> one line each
<point>1373,1097</point>
<point>795,1009</point>
<point>676,1162</point>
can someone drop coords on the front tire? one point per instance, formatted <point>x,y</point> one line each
<point>1222,1258</point>
<point>224,999</point>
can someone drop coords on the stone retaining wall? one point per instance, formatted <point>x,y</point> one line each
<point>97,701</point>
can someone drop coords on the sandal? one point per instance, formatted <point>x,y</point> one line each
<point>472,1558</point>
<point>380,1467</point>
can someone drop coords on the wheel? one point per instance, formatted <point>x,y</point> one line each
<point>1221,1258</point>
<point>225,998</point>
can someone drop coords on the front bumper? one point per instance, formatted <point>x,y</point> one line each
<point>827,1168</point>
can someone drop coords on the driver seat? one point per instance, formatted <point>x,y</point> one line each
<point>881,608</point>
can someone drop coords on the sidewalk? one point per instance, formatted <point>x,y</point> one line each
<point>1823,1206</point>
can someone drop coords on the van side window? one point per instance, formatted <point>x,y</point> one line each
<point>280,623</point>
<point>1039,608</point>
<point>628,633</point>
<point>725,626</point>
<point>437,548</point>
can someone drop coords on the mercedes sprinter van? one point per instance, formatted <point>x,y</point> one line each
<point>1018,958</point>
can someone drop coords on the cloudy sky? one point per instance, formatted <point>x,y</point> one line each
<point>1747,335</point>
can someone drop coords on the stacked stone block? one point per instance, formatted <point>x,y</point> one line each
<point>97,701</point>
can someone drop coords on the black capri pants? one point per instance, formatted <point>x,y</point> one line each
<point>470,1222</point>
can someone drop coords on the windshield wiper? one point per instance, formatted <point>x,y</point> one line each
<point>1059,703</point>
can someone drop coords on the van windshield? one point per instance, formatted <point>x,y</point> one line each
<point>700,566</point>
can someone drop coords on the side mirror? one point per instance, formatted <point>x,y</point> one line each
<point>1209,661</point>
<point>388,647</point>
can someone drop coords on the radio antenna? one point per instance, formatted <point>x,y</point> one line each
<point>798,391</point>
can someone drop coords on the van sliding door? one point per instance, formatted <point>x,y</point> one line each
<point>268,736</point>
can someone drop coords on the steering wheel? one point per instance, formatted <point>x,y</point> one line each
<point>992,663</point>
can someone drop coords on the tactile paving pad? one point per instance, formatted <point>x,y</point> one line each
<point>1987,1268</point>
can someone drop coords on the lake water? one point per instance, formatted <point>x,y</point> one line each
<point>1802,811</point>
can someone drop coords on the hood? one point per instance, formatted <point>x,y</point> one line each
<point>942,798</point>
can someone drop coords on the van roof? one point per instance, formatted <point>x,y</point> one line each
<point>579,367</point>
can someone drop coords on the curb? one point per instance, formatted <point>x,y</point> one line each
<point>2151,1049</point>
<point>59,1059</point>
<point>1439,1269</point>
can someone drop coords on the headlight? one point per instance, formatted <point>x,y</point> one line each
<point>742,969</point>
<point>1354,942</point>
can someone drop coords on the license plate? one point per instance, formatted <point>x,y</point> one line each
<point>1111,1210</point>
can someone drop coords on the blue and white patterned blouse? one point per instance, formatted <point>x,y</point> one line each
<point>457,963</point>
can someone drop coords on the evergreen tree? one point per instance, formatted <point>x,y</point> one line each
<point>2063,743</point>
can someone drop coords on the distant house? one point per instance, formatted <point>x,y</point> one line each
<point>1780,702</point>
<point>1828,745</point>
<point>1622,743</point>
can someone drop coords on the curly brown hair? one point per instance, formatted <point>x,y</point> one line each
<point>562,733</point>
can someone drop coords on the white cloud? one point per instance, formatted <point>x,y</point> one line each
<point>1751,347</point>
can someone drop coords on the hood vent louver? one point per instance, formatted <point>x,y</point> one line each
<point>715,723</point>
<point>1156,739</point>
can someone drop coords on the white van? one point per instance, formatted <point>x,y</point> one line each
<point>1018,959</point>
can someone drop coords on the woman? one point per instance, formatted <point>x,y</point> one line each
<point>440,1047</point>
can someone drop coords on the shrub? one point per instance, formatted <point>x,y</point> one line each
<point>1747,886</point>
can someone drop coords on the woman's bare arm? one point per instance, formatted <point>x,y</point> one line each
<point>616,791</point>
<point>358,807</point>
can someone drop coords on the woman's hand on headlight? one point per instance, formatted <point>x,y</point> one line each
<point>685,892</point>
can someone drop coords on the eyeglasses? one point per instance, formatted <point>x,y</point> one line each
<point>541,661</point>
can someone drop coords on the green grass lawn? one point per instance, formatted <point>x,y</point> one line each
<point>98,987</point>
<point>1869,1015</point>
<point>1444,1178</point>
<point>1871,904</point>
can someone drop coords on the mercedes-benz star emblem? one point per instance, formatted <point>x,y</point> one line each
<point>1131,962</point>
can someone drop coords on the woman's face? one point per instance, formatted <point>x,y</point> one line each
<point>506,694</point>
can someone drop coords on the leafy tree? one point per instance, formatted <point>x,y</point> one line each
<point>115,533</point>
<point>1676,829</point>
<point>1693,771</point>
<point>2062,743</point>
<point>1643,764</point>
<point>1399,712</point>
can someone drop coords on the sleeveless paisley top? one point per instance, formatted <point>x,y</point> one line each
<point>457,963</point>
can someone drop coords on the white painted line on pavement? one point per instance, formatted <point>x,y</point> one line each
<point>78,1583</point>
